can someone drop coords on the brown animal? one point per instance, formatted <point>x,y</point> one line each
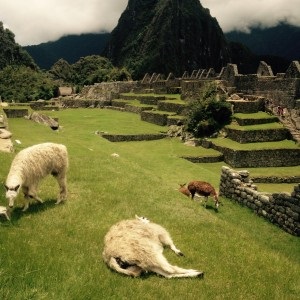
<point>205,189</point>
<point>184,190</point>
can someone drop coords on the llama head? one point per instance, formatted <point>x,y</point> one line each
<point>5,212</point>
<point>11,194</point>
<point>142,219</point>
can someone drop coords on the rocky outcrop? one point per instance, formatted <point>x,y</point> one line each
<point>43,119</point>
<point>5,135</point>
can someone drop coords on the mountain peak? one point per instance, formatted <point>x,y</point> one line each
<point>167,36</point>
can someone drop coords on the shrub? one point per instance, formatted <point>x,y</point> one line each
<point>23,84</point>
<point>208,114</point>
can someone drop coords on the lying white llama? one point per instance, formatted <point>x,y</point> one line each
<point>132,247</point>
<point>31,165</point>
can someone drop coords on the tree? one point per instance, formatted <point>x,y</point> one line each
<point>63,71</point>
<point>11,53</point>
<point>87,71</point>
<point>208,114</point>
<point>22,84</point>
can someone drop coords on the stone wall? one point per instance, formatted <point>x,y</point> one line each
<point>247,107</point>
<point>106,91</point>
<point>155,118</point>
<point>283,89</point>
<point>276,179</point>
<point>191,88</point>
<point>259,158</point>
<point>255,136</point>
<point>132,137</point>
<point>16,113</point>
<point>171,106</point>
<point>282,209</point>
<point>80,103</point>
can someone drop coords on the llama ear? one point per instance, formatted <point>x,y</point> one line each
<point>16,188</point>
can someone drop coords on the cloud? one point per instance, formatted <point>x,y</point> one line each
<point>37,21</point>
<point>242,15</point>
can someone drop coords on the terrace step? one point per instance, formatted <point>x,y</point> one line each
<point>175,120</point>
<point>144,99</point>
<point>247,106</point>
<point>241,157</point>
<point>256,135</point>
<point>120,102</point>
<point>133,137</point>
<point>170,106</point>
<point>204,159</point>
<point>254,119</point>
<point>156,117</point>
<point>137,109</point>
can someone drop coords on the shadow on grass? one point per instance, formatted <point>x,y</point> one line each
<point>208,206</point>
<point>34,208</point>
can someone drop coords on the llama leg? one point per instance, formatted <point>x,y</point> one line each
<point>216,202</point>
<point>167,270</point>
<point>32,193</point>
<point>192,194</point>
<point>62,182</point>
<point>37,198</point>
<point>133,270</point>
<point>26,197</point>
<point>205,201</point>
<point>26,205</point>
<point>167,241</point>
<point>7,216</point>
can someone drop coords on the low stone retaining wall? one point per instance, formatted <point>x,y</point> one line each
<point>119,102</point>
<point>16,113</point>
<point>282,209</point>
<point>244,106</point>
<point>245,122</point>
<point>205,159</point>
<point>70,103</point>
<point>155,118</point>
<point>259,158</point>
<point>275,179</point>
<point>151,100</point>
<point>255,136</point>
<point>136,109</point>
<point>133,137</point>
<point>175,120</point>
<point>173,107</point>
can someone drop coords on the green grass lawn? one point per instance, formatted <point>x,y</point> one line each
<point>257,115</point>
<point>285,144</point>
<point>257,127</point>
<point>54,252</point>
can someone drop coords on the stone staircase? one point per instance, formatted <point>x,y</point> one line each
<point>289,125</point>
<point>256,139</point>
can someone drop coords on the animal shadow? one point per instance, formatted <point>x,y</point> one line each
<point>210,207</point>
<point>34,208</point>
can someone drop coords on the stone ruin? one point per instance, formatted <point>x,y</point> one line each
<point>282,209</point>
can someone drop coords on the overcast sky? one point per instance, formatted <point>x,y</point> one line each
<point>38,21</point>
